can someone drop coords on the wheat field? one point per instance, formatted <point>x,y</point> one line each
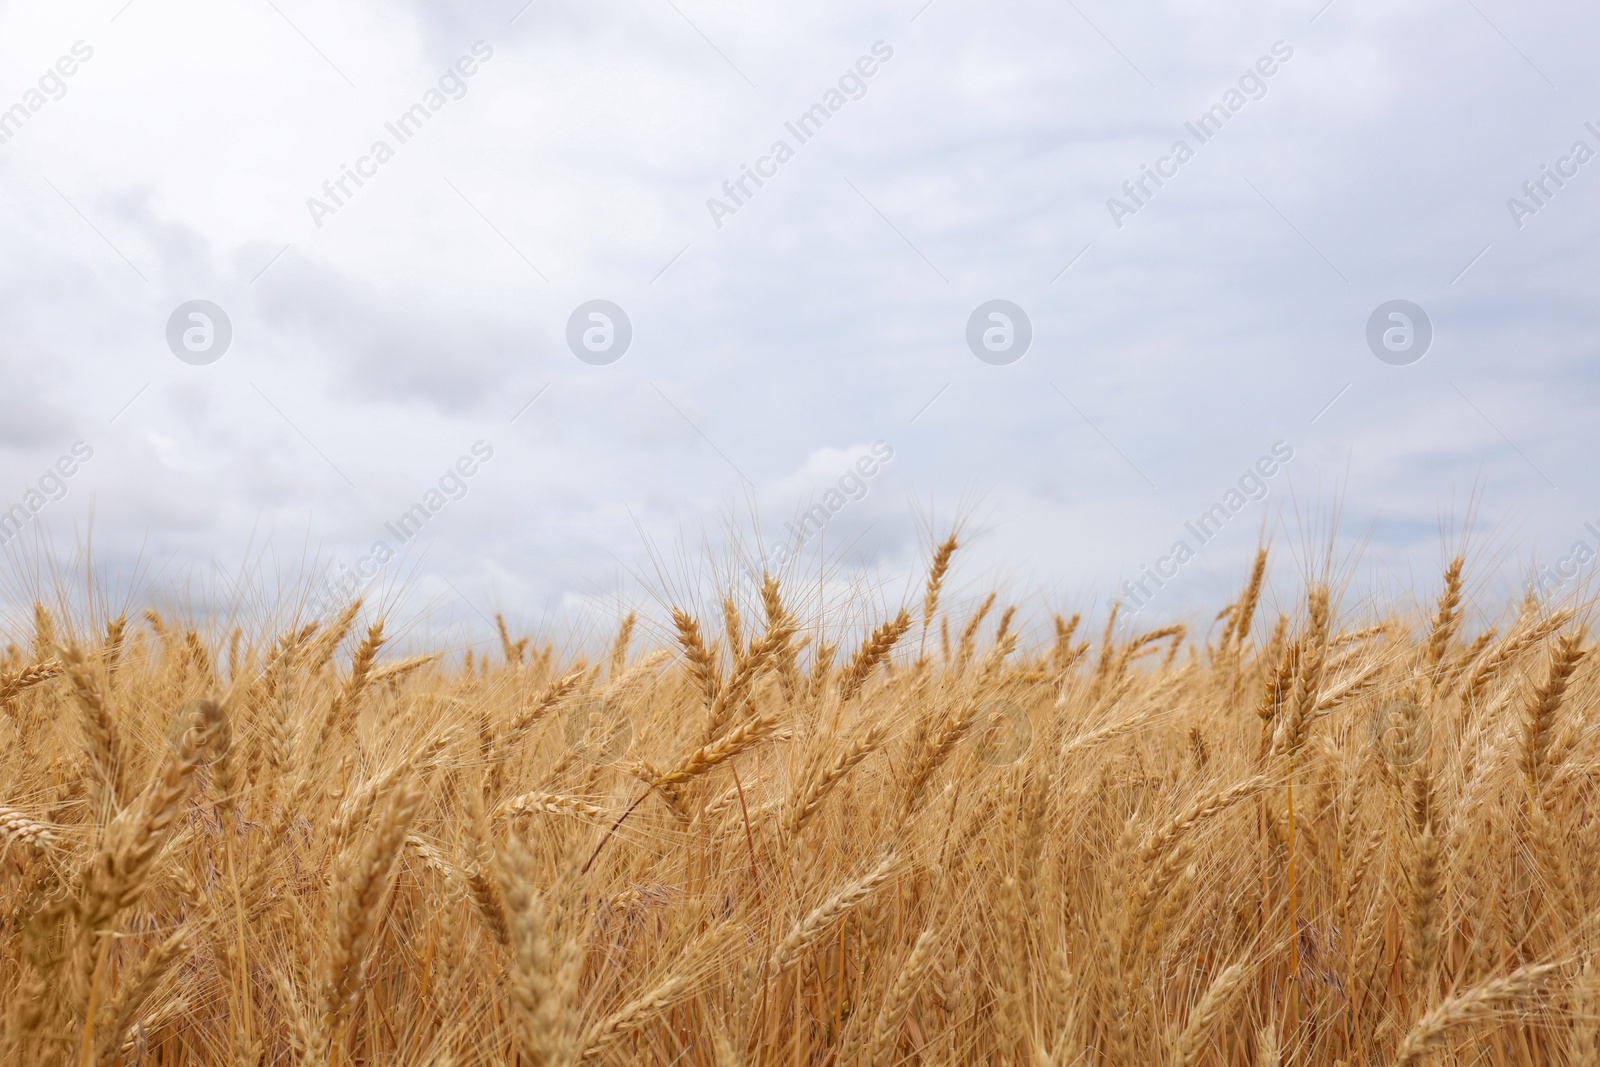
<point>1291,839</point>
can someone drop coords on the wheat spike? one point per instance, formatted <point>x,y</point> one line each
<point>805,932</point>
<point>324,645</point>
<point>12,685</point>
<point>874,649</point>
<point>897,1001</point>
<point>1539,720</point>
<point>119,872</point>
<point>808,797</point>
<point>702,665</point>
<point>1196,1036</point>
<point>364,886</point>
<point>1476,1004</point>
<point>17,828</point>
<point>619,647</point>
<point>744,736</point>
<point>1446,621</point>
<point>544,968</point>
<point>99,728</point>
<point>547,802</point>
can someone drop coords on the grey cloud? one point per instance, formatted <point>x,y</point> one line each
<point>413,348</point>
<point>1205,328</point>
<point>33,416</point>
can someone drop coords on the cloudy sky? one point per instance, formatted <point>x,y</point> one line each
<point>1180,331</point>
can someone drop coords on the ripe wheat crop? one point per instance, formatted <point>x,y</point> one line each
<point>771,839</point>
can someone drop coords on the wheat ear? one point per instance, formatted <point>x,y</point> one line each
<point>812,926</point>
<point>873,651</point>
<point>969,633</point>
<point>513,650</point>
<point>321,650</point>
<point>808,797</point>
<point>1196,1036</point>
<point>543,975</point>
<point>364,886</point>
<point>99,728</point>
<point>619,647</point>
<point>19,829</point>
<point>748,665</point>
<point>702,664</point>
<point>550,803</point>
<point>885,1029</point>
<point>652,1004</point>
<point>12,685</point>
<point>1445,622</point>
<point>1507,653</point>
<point>1475,1004</point>
<point>141,982</point>
<point>120,871</point>
<point>342,713</point>
<point>482,886</point>
<point>745,735</point>
<point>1244,618</point>
<point>1539,719</point>
<point>936,573</point>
